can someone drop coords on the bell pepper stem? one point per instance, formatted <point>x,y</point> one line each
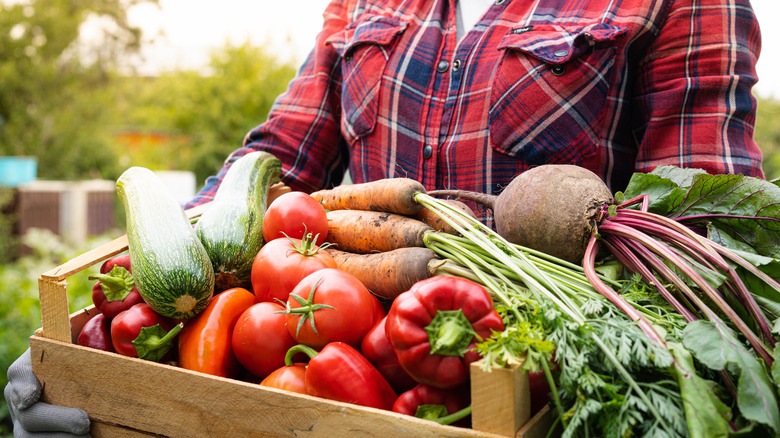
<point>151,346</point>
<point>455,416</point>
<point>295,349</point>
<point>450,333</point>
<point>116,284</point>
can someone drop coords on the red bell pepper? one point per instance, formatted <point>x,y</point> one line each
<point>115,290</point>
<point>445,406</point>
<point>120,260</point>
<point>141,332</point>
<point>434,325</point>
<point>377,349</point>
<point>96,333</point>
<point>340,373</point>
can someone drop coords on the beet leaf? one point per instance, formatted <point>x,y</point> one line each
<point>717,347</point>
<point>738,211</point>
<point>705,414</point>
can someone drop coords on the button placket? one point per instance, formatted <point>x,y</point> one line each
<point>427,151</point>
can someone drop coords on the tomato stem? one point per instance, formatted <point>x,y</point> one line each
<point>306,309</point>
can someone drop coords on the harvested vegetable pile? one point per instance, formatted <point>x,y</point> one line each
<point>682,314</point>
<point>654,312</point>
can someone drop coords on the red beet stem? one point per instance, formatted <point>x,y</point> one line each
<point>480,198</point>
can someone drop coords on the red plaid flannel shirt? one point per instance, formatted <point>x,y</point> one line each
<point>616,87</point>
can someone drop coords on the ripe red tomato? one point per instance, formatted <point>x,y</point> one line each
<point>282,263</point>
<point>289,377</point>
<point>350,318</point>
<point>295,214</point>
<point>261,339</point>
<point>379,310</point>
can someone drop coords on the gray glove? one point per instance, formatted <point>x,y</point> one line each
<point>33,418</point>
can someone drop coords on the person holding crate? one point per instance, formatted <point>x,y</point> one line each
<point>466,94</point>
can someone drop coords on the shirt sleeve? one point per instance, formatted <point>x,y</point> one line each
<point>694,106</point>
<point>302,129</point>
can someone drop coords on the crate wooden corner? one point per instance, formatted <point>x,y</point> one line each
<point>129,397</point>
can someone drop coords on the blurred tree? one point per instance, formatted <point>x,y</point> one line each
<point>767,135</point>
<point>53,99</point>
<point>204,116</point>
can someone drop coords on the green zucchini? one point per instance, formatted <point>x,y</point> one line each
<point>231,229</point>
<point>170,265</point>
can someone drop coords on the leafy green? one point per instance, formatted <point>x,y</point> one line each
<point>767,265</point>
<point>599,401</point>
<point>718,348</point>
<point>522,343</point>
<point>776,367</point>
<point>738,211</point>
<point>614,379</point>
<point>706,415</point>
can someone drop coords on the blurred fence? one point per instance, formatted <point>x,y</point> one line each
<point>73,210</point>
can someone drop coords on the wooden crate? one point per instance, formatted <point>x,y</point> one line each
<point>130,397</point>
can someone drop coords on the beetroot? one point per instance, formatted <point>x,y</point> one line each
<point>551,208</point>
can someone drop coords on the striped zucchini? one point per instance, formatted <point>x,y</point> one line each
<point>231,229</point>
<point>170,266</point>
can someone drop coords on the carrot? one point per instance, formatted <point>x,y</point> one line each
<point>392,195</point>
<point>436,222</point>
<point>388,274</point>
<point>373,231</point>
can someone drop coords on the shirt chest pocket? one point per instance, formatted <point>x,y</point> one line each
<point>365,48</point>
<point>549,90</point>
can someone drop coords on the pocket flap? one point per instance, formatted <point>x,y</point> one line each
<point>379,30</point>
<point>558,44</point>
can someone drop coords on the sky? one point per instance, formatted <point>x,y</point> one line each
<point>181,34</point>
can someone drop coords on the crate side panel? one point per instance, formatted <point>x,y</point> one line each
<point>165,400</point>
<point>500,399</point>
<point>104,430</point>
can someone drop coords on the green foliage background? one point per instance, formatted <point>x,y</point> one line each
<point>71,105</point>
<point>72,114</point>
<point>767,135</point>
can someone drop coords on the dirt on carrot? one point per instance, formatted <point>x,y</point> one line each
<point>366,232</point>
<point>388,274</point>
<point>392,195</point>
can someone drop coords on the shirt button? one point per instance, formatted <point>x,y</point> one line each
<point>561,53</point>
<point>427,151</point>
<point>558,69</point>
<point>456,65</point>
<point>442,66</point>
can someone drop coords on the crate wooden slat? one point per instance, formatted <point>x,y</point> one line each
<point>129,397</point>
<point>171,401</point>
